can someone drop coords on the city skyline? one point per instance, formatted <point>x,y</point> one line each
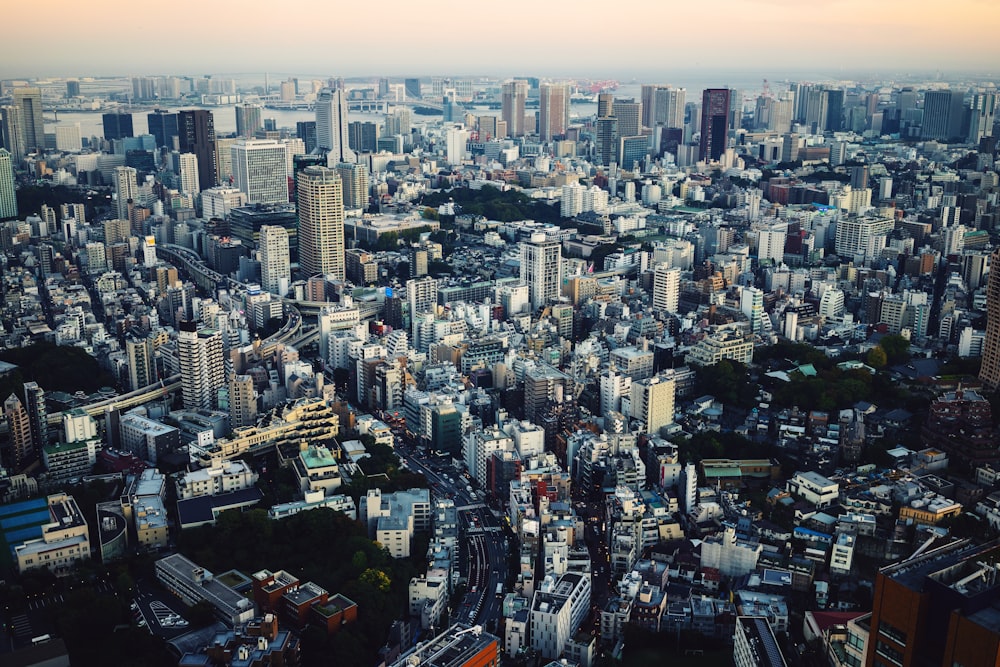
<point>753,36</point>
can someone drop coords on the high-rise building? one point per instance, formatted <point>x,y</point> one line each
<point>275,267</point>
<point>666,287</point>
<point>196,134</point>
<point>606,140</point>
<point>355,181</point>
<point>248,120</point>
<point>117,125</point>
<point>321,222</point>
<point>68,137</point>
<point>224,160</point>
<point>12,132</point>
<point>943,114</point>
<point>34,405</point>
<point>332,126</point>
<point>714,123</point>
<point>260,170</point>
<point>126,190</point>
<point>363,136</point>
<point>141,362</point>
<point>553,110</point>
<point>29,105</point>
<point>187,171</point>
<point>242,402</point>
<point>72,89</point>
<point>629,115</point>
<point>23,448</point>
<point>8,196</point>
<point>163,126</point>
<point>652,402</point>
<point>513,96</point>
<point>670,104</point>
<point>982,111</point>
<point>989,372</point>
<point>306,131</point>
<point>199,353</point>
<point>411,88</point>
<point>541,269</point>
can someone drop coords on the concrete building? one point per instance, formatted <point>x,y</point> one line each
<point>193,584</point>
<point>557,609</point>
<point>65,540</point>
<point>230,476</point>
<point>260,170</point>
<point>147,439</point>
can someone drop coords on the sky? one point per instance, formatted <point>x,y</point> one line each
<point>580,38</point>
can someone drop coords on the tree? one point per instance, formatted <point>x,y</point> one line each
<point>877,357</point>
<point>897,348</point>
<point>377,579</point>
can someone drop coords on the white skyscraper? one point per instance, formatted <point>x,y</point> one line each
<point>321,222</point>
<point>260,170</point>
<point>217,202</point>
<point>456,139</point>
<point>126,188</point>
<point>68,137</point>
<point>541,269</point>
<point>275,271</point>
<point>652,402</point>
<point>199,353</point>
<point>771,243</point>
<point>8,200</point>
<point>666,287</point>
<point>187,168</point>
<point>355,180</point>
<point>331,126</point>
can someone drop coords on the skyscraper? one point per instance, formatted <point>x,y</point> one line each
<point>666,287</point>
<point>321,222</point>
<point>117,125</point>
<point>11,132</point>
<point>541,269</point>
<point>199,353</point>
<point>553,110</point>
<point>275,269</point>
<point>162,125</point>
<point>982,111</point>
<point>242,402</point>
<point>714,123</point>
<point>260,170</point>
<point>652,401</point>
<point>141,362</point>
<point>943,111</point>
<point>411,88</point>
<point>989,372</point>
<point>355,180</point>
<point>629,115</point>
<point>196,134</point>
<point>187,170</point>
<point>331,126</point>
<point>513,96</point>
<point>8,198</point>
<point>29,105</point>
<point>248,120</point>
<point>34,405</point>
<point>306,131</point>
<point>606,140</point>
<point>363,136</point>
<point>126,190</point>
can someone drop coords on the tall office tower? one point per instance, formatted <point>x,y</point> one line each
<point>260,170</point>
<point>141,361</point>
<point>355,180</point>
<point>224,160</point>
<point>605,105</point>
<point>11,132</point>
<point>989,373</point>
<point>163,126</point>
<point>29,105</point>
<point>666,287</point>
<point>199,353</point>
<point>242,402</point>
<point>398,122</point>
<point>834,109</point>
<point>321,222</point>
<point>72,89</point>
<point>606,140</point>
<point>196,134</point>
<point>8,196</point>
<point>541,269</point>
<point>411,88</point>
<point>22,445</point>
<point>306,131</point>
<point>800,91</point>
<point>652,402</point>
<point>126,190</point>
<point>648,97</point>
<point>943,112</point>
<point>714,123</point>
<point>68,137</point>
<point>275,266</point>
<point>34,405</point>
<point>248,120</point>
<point>629,113</point>
<point>513,96</point>
<point>117,125</point>
<point>362,136</point>
<point>331,126</point>
<point>553,110</point>
<point>669,107</point>
<point>982,111</point>
<point>187,170</point>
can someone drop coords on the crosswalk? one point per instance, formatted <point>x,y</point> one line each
<point>474,506</point>
<point>21,627</point>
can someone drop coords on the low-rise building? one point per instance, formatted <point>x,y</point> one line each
<point>194,584</point>
<point>814,488</point>
<point>314,500</point>
<point>226,477</point>
<point>65,540</point>
<point>317,470</point>
<point>754,644</point>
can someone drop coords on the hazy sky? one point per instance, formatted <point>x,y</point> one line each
<point>545,37</point>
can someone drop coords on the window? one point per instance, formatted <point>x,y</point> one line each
<point>889,653</point>
<point>892,632</point>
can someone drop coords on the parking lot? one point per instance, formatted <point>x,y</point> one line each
<point>159,612</point>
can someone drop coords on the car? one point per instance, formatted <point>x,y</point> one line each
<point>142,623</point>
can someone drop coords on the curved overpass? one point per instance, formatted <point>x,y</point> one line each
<point>125,401</point>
